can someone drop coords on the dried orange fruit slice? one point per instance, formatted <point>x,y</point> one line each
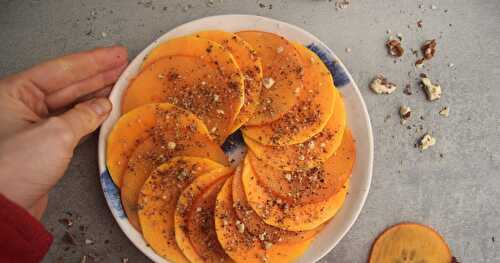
<point>412,243</point>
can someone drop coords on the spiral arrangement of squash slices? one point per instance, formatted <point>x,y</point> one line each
<point>177,187</point>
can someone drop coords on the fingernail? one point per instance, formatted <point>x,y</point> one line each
<point>101,106</point>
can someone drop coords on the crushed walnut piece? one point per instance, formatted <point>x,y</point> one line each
<point>268,82</point>
<point>445,111</point>
<point>429,49</point>
<point>381,85</point>
<point>433,91</point>
<point>240,226</point>
<point>171,145</point>
<point>405,112</point>
<point>394,47</point>
<point>426,141</point>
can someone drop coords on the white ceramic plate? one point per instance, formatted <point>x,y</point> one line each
<point>358,121</point>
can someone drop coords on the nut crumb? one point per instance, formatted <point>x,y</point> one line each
<point>279,50</point>
<point>445,111</point>
<point>288,177</point>
<point>171,145</point>
<point>267,245</point>
<point>451,65</point>
<point>429,49</point>
<point>124,260</point>
<point>240,226</point>
<point>348,50</point>
<point>394,47</point>
<point>268,82</point>
<point>88,242</point>
<point>407,90</point>
<point>433,91</point>
<point>381,85</point>
<point>161,76</point>
<point>426,142</point>
<point>419,63</point>
<point>404,112</point>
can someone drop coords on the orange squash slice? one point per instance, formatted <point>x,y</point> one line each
<point>158,200</point>
<point>312,112</point>
<point>311,153</point>
<point>312,185</point>
<point>410,242</point>
<point>283,75</point>
<point>138,125</point>
<point>192,84</point>
<point>241,245</point>
<point>255,225</point>
<point>183,214</point>
<point>152,153</point>
<point>282,214</point>
<point>250,66</point>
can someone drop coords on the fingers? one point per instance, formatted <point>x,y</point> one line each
<point>72,93</point>
<point>59,73</point>
<point>83,119</point>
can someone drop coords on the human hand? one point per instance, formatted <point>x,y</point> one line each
<point>44,113</point>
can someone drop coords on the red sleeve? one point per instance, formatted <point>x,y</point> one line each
<point>22,237</point>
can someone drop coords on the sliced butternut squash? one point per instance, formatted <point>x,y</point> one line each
<point>250,65</point>
<point>193,84</point>
<point>312,185</point>
<point>158,200</point>
<point>283,75</point>
<point>154,152</point>
<point>183,212</point>
<point>255,225</point>
<point>241,245</point>
<point>134,127</point>
<point>410,242</point>
<point>311,153</point>
<point>312,112</point>
<point>282,214</point>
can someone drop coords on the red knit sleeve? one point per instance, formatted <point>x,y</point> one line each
<point>22,237</point>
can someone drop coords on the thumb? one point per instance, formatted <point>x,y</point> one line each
<point>86,117</point>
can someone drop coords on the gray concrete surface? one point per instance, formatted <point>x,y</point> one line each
<point>457,193</point>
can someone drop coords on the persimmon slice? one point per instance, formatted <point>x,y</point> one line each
<point>312,112</point>
<point>183,216</point>
<point>193,84</point>
<point>136,126</point>
<point>311,153</point>
<point>255,225</point>
<point>283,75</point>
<point>410,242</point>
<point>155,151</point>
<point>240,244</point>
<point>285,215</point>
<point>158,199</point>
<point>250,66</point>
<point>312,185</point>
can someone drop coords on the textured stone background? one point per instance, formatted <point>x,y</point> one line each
<point>457,194</point>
